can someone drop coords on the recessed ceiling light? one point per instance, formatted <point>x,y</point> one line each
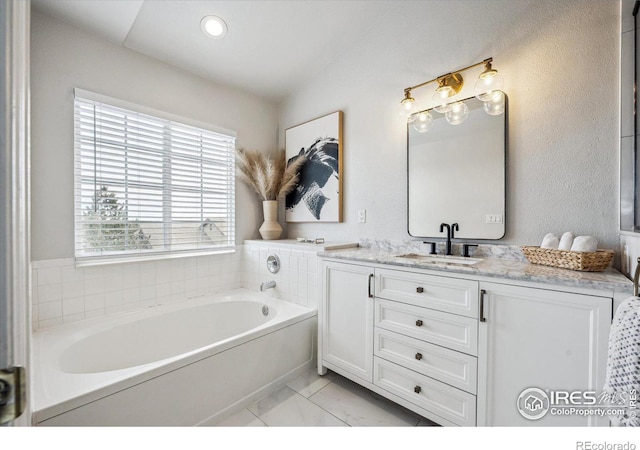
<point>213,26</point>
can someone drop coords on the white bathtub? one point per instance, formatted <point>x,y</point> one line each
<point>192,363</point>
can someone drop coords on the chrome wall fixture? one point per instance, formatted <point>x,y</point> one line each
<point>488,89</point>
<point>273,264</point>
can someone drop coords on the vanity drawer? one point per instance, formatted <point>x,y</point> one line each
<point>441,399</point>
<point>457,369</point>
<point>448,330</point>
<point>444,294</point>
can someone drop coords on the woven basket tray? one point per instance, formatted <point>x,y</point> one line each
<point>584,261</point>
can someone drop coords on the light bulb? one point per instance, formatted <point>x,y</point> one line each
<point>495,105</point>
<point>441,99</point>
<point>458,113</point>
<point>406,107</point>
<point>488,81</point>
<point>422,122</point>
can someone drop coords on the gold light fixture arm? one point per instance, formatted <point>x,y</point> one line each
<point>448,76</point>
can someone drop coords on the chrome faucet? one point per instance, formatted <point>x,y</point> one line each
<point>451,229</point>
<point>267,285</point>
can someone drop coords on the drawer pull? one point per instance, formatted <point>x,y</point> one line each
<point>418,323</point>
<point>417,389</point>
<point>418,356</point>
<point>420,290</point>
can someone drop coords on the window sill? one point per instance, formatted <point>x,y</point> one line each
<point>88,261</point>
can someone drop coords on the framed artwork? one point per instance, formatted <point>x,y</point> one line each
<point>318,195</point>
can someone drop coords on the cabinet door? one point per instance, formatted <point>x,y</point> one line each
<point>346,318</point>
<point>536,338</point>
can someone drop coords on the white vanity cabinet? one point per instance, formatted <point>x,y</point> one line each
<point>408,336</point>
<point>528,337</point>
<point>346,319</point>
<point>460,349</point>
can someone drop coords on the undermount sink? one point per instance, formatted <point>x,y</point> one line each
<point>441,259</point>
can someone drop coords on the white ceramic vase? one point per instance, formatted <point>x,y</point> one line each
<point>270,228</point>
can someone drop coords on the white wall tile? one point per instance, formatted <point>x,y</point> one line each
<point>73,306</point>
<point>49,275</point>
<point>93,314</point>
<point>113,301</point>
<point>49,293</point>
<point>94,303</point>
<point>147,292</point>
<point>92,273</point>
<point>93,286</point>
<point>202,267</point>
<point>71,318</point>
<point>190,269</point>
<point>131,276</point>
<point>163,271</point>
<point>50,310</point>
<point>131,295</point>
<point>148,274</point>
<point>64,293</point>
<point>72,289</point>
<point>49,323</point>
<point>113,278</point>
<point>71,274</point>
<point>177,270</point>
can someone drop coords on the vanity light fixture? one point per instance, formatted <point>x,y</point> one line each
<point>488,89</point>
<point>488,82</point>
<point>406,108</point>
<point>214,27</point>
<point>448,86</point>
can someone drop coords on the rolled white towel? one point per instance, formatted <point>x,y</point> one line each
<point>566,241</point>
<point>584,244</point>
<point>550,240</point>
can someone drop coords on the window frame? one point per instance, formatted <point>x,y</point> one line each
<point>84,259</point>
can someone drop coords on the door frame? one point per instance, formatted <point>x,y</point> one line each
<point>15,238</point>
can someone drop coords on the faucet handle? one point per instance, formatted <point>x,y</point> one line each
<point>432,251</point>
<point>465,249</point>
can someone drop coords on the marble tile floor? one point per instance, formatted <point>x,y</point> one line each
<point>332,400</point>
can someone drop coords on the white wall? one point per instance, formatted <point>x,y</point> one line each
<point>560,61</point>
<point>63,57</point>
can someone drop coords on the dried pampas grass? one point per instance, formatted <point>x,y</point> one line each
<point>270,178</point>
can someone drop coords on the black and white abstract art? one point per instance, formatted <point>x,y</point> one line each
<point>318,195</point>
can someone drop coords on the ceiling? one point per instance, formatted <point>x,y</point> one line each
<point>272,47</point>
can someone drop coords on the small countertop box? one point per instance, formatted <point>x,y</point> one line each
<point>596,261</point>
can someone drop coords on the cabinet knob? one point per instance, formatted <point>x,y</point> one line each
<point>419,290</point>
<point>418,356</point>
<point>418,323</point>
<point>417,389</point>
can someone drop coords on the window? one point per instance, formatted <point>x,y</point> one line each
<point>147,184</point>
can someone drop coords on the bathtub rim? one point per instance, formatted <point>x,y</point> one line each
<point>73,390</point>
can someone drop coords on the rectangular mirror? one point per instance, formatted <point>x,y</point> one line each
<point>456,174</point>
<point>629,161</point>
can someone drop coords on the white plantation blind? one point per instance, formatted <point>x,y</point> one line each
<point>147,185</point>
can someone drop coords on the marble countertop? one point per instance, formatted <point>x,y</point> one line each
<point>294,244</point>
<point>512,269</point>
